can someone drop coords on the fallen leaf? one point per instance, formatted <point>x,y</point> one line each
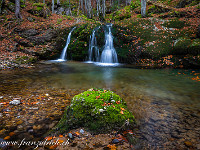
<point>48,138</point>
<point>7,138</point>
<point>60,135</point>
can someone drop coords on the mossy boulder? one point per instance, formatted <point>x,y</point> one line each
<point>40,9</point>
<point>97,110</point>
<point>185,46</point>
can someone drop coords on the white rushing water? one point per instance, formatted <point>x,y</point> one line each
<point>64,52</point>
<point>93,51</point>
<point>109,54</point>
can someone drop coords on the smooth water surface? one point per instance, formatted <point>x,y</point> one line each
<point>168,84</point>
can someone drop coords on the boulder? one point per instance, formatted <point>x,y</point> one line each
<point>47,36</point>
<point>98,110</point>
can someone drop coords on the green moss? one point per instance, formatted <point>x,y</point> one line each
<point>185,46</point>
<point>59,21</point>
<point>175,23</point>
<point>98,110</point>
<point>25,60</point>
<point>39,4</point>
<point>135,4</point>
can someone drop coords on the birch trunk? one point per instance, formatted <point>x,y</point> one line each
<point>17,9</point>
<point>58,2</point>
<point>143,8</point>
<point>104,8</point>
<point>52,7</point>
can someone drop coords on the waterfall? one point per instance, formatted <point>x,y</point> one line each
<point>109,54</point>
<point>64,52</point>
<point>93,47</point>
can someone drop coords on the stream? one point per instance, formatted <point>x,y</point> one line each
<point>165,102</point>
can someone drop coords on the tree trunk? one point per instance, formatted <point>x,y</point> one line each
<point>17,9</point>
<point>89,9</point>
<point>86,10</point>
<point>52,6</point>
<point>79,4</point>
<point>44,1</point>
<point>118,3</point>
<point>58,2</point>
<point>1,5</point>
<point>98,7</point>
<point>82,7</point>
<point>143,8</point>
<point>104,8</point>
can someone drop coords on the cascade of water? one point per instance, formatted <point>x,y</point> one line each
<point>93,47</point>
<point>64,52</point>
<point>109,54</point>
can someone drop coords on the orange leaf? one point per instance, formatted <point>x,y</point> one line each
<point>60,141</point>
<point>48,138</point>
<point>60,135</point>
<point>77,133</point>
<point>11,133</point>
<point>122,109</point>
<point>7,138</point>
<point>97,97</point>
<point>53,146</point>
<point>121,112</point>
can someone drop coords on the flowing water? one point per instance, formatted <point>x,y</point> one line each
<point>109,54</point>
<point>93,51</point>
<point>64,51</point>
<point>163,100</point>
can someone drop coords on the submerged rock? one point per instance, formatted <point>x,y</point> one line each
<point>94,110</point>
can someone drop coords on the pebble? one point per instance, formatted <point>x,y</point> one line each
<point>70,135</point>
<point>115,141</point>
<point>1,97</point>
<point>81,131</point>
<point>15,102</point>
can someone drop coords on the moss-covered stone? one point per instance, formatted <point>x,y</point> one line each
<point>40,9</point>
<point>185,46</point>
<point>98,110</point>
